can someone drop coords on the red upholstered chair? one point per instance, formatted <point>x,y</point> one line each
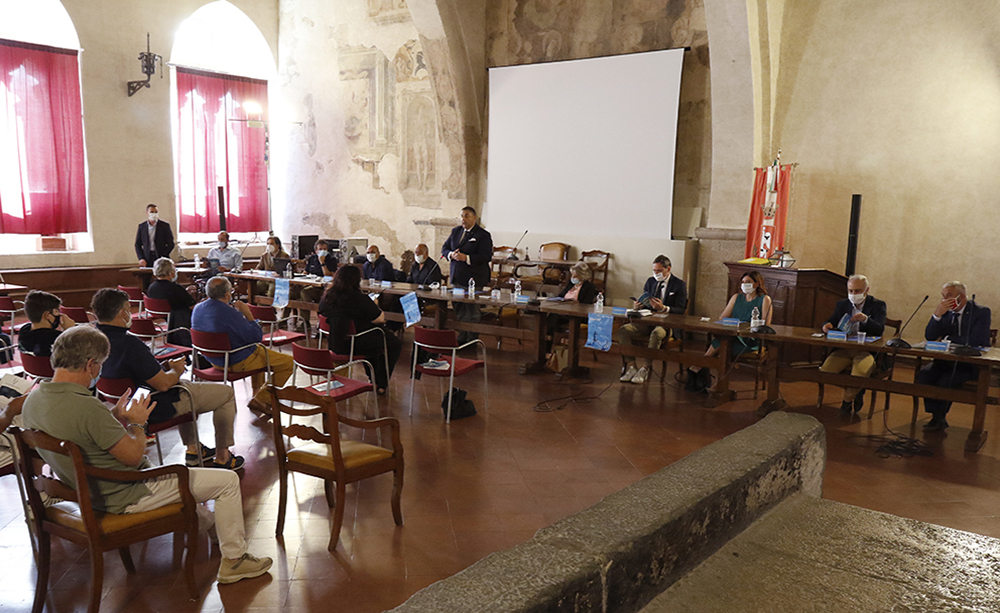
<point>110,390</point>
<point>216,345</point>
<point>145,328</point>
<point>323,330</point>
<point>156,308</point>
<point>38,368</point>
<point>446,341</point>
<point>135,296</point>
<point>323,363</point>
<point>275,334</point>
<point>8,309</point>
<point>77,314</point>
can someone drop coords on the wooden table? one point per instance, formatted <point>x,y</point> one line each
<point>7,288</point>
<point>184,273</point>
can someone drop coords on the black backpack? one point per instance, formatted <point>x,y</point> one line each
<point>461,407</point>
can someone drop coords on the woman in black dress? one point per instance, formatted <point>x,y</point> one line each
<point>165,287</point>
<point>344,304</point>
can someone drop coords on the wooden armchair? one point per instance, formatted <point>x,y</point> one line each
<point>549,275</point>
<point>78,522</point>
<point>599,272</point>
<point>882,371</point>
<point>327,456</point>
<point>499,276</point>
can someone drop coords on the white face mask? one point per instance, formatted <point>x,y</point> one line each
<point>856,299</point>
<point>574,280</point>
<point>321,253</point>
<point>747,288</point>
<point>223,244</point>
<point>152,217</point>
<point>420,258</point>
<point>372,257</point>
<point>271,249</point>
<point>659,276</point>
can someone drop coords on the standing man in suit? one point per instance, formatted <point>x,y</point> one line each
<point>963,322</point>
<point>469,248</point>
<point>153,238</point>
<point>859,312</point>
<point>666,294</point>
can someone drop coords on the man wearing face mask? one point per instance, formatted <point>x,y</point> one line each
<point>321,264</point>
<point>665,294</point>
<point>377,267</point>
<point>42,309</point>
<point>963,322</point>
<point>859,312</point>
<point>424,270</point>
<point>230,258</point>
<point>153,238</point>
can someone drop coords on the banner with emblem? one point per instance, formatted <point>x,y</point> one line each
<point>772,188</point>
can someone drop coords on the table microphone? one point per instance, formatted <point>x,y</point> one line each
<point>513,253</point>
<point>899,342</point>
<point>764,329</point>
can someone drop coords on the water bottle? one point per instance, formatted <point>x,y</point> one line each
<point>517,288</point>
<point>755,318</point>
<point>495,294</point>
<point>197,261</point>
<point>599,305</point>
<point>472,288</point>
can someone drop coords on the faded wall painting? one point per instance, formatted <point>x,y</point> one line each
<point>388,11</point>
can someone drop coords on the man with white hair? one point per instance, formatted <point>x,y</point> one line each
<point>859,312</point>
<point>116,439</point>
<point>963,322</point>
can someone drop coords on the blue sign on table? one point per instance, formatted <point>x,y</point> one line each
<point>619,310</point>
<point>386,283</point>
<point>280,293</point>
<point>836,335</point>
<point>599,331</point>
<point>411,308</point>
<point>940,346</point>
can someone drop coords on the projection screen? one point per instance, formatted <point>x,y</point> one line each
<point>584,147</point>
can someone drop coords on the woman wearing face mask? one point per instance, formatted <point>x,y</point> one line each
<point>274,250</point>
<point>752,296</point>
<point>579,289</point>
<point>165,287</point>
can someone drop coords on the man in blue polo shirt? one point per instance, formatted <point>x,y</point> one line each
<point>217,315</point>
<point>130,358</point>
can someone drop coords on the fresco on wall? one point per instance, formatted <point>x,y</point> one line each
<point>388,11</point>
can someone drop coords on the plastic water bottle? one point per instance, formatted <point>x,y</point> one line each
<point>197,261</point>
<point>517,288</point>
<point>472,288</point>
<point>755,318</point>
<point>599,305</point>
<point>495,294</point>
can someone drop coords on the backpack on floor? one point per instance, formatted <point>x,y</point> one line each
<point>461,407</point>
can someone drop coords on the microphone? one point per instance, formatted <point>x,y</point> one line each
<point>513,254</point>
<point>898,342</point>
<point>764,329</point>
<point>968,349</point>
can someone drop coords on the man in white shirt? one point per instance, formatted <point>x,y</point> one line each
<point>230,258</point>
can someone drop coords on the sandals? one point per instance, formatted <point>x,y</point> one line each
<point>235,462</point>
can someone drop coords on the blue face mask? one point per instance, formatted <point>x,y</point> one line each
<point>574,280</point>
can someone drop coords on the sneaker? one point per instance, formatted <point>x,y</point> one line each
<point>640,377</point>
<point>235,462</point>
<point>247,566</point>
<point>629,373</point>
<point>936,424</point>
<point>191,459</point>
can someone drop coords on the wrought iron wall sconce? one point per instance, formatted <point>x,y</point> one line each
<point>148,61</point>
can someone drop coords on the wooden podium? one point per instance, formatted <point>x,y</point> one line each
<point>799,296</point>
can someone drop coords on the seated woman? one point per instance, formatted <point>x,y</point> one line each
<point>344,304</point>
<point>752,296</point>
<point>579,289</point>
<point>165,287</point>
<point>274,250</point>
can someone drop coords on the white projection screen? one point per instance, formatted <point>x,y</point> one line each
<point>584,147</point>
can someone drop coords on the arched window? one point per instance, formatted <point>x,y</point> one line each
<point>43,189</point>
<point>222,65</point>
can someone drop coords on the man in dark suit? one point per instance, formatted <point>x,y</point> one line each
<point>859,312</point>
<point>425,270</point>
<point>153,238</point>
<point>962,322</point>
<point>662,293</point>
<point>470,250</point>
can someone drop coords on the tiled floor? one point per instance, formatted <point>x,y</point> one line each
<point>486,483</point>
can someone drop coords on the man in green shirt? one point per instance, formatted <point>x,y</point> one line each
<point>64,408</point>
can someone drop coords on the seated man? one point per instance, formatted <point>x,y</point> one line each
<point>666,294</point>
<point>63,408</point>
<point>131,359</point>
<point>42,309</point>
<point>216,315</point>
<point>859,312</point>
<point>322,264</point>
<point>230,258</point>
<point>962,322</point>
<point>424,270</point>
<point>377,268</point>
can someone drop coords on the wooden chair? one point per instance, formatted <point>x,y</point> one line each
<point>497,275</point>
<point>327,456</point>
<point>276,335</point>
<point>880,372</point>
<point>437,341</point>
<point>548,275</point>
<point>76,520</point>
<point>599,273</point>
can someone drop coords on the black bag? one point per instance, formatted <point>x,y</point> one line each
<point>461,407</point>
<point>698,382</point>
<point>5,351</point>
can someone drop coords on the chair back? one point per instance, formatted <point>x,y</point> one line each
<point>895,324</point>
<point>39,367</point>
<point>77,314</point>
<point>34,482</point>
<point>263,314</point>
<point>303,403</point>
<point>112,389</point>
<point>144,327</point>
<point>553,251</point>
<point>324,325</point>
<point>211,344</point>
<point>313,361</point>
<point>156,306</point>
<point>599,273</point>
<point>435,338</point>
<point>8,306</point>
<point>134,294</point>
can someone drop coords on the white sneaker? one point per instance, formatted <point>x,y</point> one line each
<point>640,377</point>
<point>629,373</point>
<point>246,567</point>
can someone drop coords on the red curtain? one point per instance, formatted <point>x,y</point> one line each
<point>221,142</point>
<point>768,213</point>
<point>43,187</point>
